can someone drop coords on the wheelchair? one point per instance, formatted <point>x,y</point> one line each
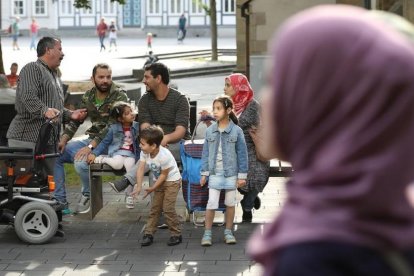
<point>25,191</point>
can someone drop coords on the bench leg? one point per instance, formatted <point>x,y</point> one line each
<point>96,199</point>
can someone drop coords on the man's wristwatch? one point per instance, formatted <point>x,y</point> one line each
<point>90,146</point>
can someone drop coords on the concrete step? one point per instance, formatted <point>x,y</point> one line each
<point>137,74</point>
<point>189,54</point>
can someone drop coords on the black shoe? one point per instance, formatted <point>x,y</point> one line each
<point>174,240</point>
<point>247,216</point>
<point>147,239</point>
<point>120,185</point>
<point>257,203</point>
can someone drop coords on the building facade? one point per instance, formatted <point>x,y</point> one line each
<point>257,21</point>
<point>61,14</point>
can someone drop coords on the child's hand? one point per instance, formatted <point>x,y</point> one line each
<point>136,191</point>
<point>148,191</point>
<point>91,158</point>
<point>203,180</point>
<point>241,182</point>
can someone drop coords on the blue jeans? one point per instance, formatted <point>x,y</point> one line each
<point>81,167</point>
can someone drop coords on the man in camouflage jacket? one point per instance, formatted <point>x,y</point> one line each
<point>98,102</point>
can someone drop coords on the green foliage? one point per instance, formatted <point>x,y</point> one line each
<point>72,178</point>
<point>85,4</point>
<point>204,6</point>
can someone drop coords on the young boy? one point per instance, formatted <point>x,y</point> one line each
<point>167,183</point>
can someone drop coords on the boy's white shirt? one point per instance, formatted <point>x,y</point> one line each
<point>164,160</point>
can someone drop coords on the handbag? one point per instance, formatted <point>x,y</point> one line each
<point>257,140</point>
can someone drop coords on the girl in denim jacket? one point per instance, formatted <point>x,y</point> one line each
<point>120,142</point>
<point>224,161</point>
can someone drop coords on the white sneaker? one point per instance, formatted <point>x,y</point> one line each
<point>99,159</point>
<point>83,205</point>
<point>130,202</point>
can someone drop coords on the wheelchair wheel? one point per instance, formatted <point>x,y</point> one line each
<point>36,222</point>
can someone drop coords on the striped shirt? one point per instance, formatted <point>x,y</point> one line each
<point>169,113</point>
<point>38,89</point>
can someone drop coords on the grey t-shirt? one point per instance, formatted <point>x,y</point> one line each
<point>169,113</point>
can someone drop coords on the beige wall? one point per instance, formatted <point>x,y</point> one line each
<point>265,17</point>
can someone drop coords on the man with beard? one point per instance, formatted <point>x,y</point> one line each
<point>39,97</point>
<point>98,102</point>
<point>162,106</point>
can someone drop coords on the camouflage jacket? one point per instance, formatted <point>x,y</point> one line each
<point>99,115</point>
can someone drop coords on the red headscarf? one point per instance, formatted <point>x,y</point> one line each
<point>244,92</point>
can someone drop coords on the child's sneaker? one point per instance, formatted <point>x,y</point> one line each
<point>130,202</point>
<point>228,237</point>
<point>99,159</point>
<point>207,238</point>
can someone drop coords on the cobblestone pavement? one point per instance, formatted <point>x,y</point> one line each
<point>109,244</point>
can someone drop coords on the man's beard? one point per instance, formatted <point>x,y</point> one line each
<point>103,88</point>
<point>148,89</point>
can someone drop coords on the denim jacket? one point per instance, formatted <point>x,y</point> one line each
<point>235,160</point>
<point>114,139</point>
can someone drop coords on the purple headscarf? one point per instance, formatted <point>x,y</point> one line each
<point>342,88</point>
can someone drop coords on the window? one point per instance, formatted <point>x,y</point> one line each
<point>108,7</point>
<point>176,6</point>
<point>66,7</point>
<point>40,7</point>
<point>197,6</point>
<point>229,6</point>
<point>154,7</point>
<point>19,8</point>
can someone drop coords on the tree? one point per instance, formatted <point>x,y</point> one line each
<point>211,11</point>
<point>80,4</point>
<point>1,60</point>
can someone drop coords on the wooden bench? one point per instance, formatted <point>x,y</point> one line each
<point>96,171</point>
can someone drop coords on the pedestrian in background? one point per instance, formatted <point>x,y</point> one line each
<point>349,139</point>
<point>247,110</point>
<point>34,29</point>
<point>13,77</point>
<point>101,31</point>
<point>182,24</point>
<point>149,42</point>
<point>112,36</point>
<point>15,32</point>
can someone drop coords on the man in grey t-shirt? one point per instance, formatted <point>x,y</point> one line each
<point>162,106</point>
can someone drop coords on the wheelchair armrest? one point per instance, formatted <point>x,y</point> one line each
<point>8,153</point>
<point>13,150</point>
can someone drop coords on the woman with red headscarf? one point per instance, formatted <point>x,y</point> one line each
<point>247,110</point>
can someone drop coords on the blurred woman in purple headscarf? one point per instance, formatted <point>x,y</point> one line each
<point>340,108</point>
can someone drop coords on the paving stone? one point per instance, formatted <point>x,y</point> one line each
<point>104,268</point>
